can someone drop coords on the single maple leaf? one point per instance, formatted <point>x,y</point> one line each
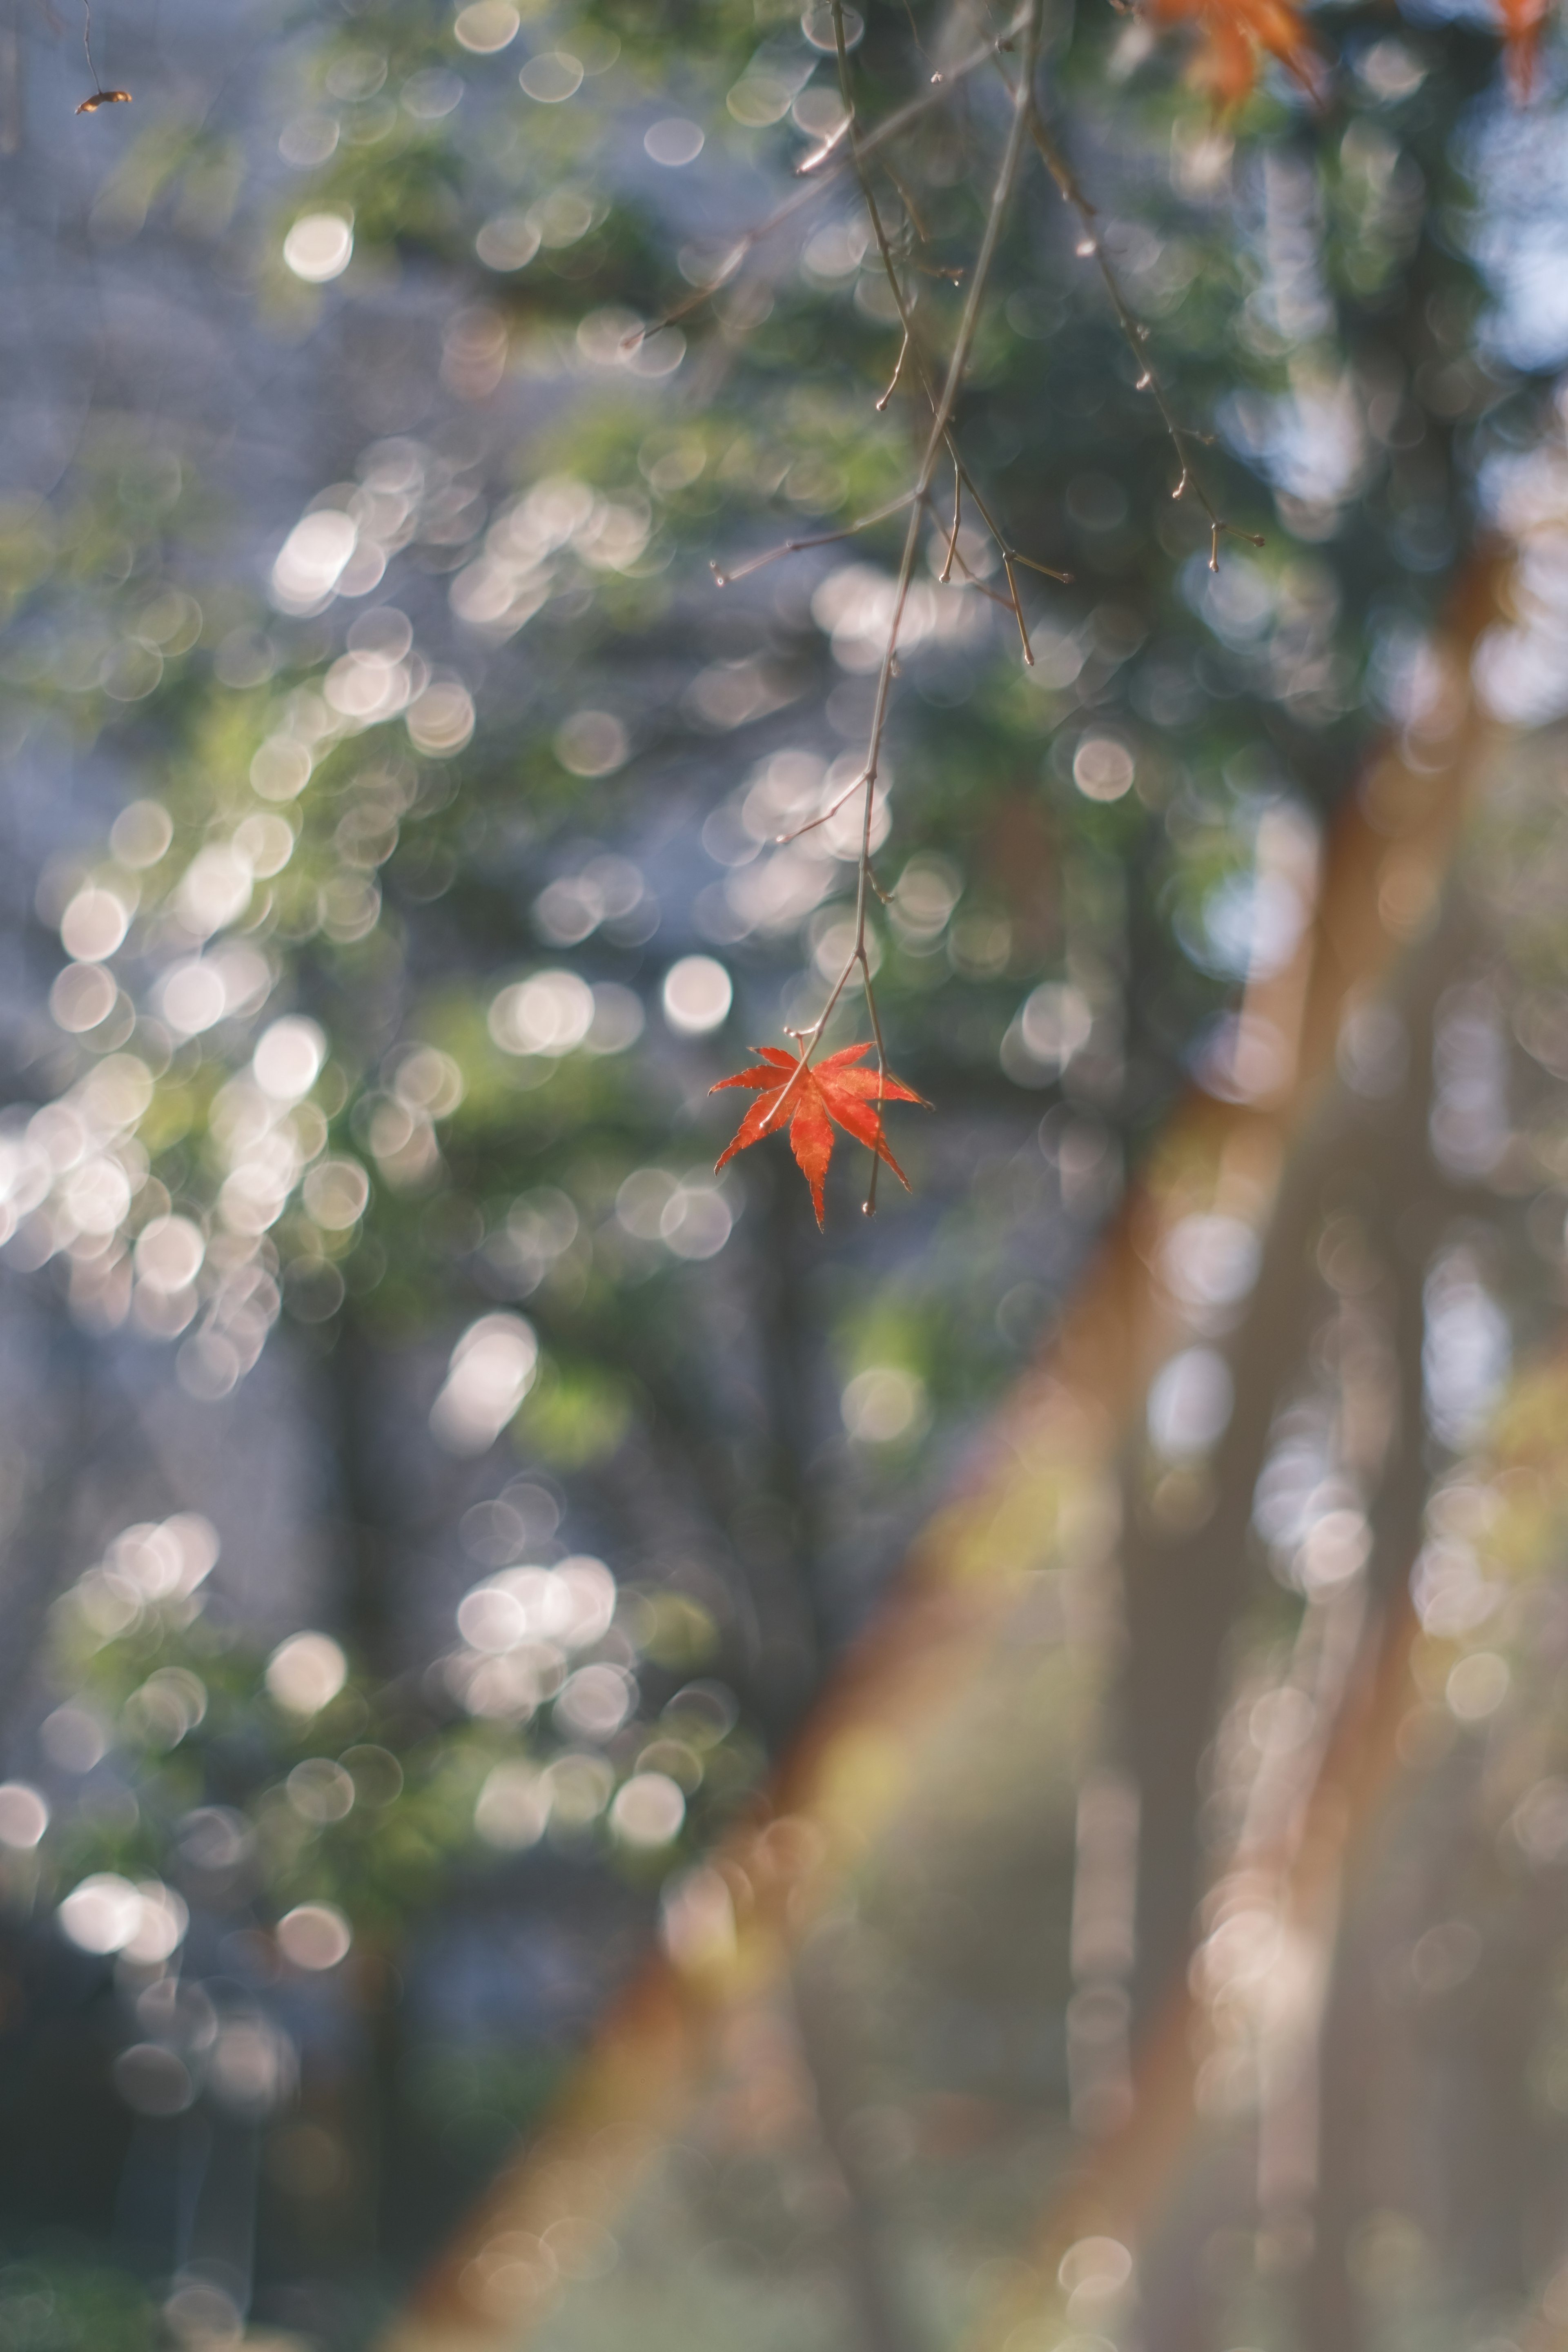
<point>811,1097</point>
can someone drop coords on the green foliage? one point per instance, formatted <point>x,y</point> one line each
<point>436,1164</point>
<point>411,841</point>
<point>57,2303</point>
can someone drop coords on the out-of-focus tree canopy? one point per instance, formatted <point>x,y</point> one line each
<point>468,477</point>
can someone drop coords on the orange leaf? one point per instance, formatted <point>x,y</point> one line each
<point>1521,22</point>
<point>1234,34</point>
<point>812,1098</point>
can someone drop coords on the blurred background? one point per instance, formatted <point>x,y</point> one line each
<point>584,1763</point>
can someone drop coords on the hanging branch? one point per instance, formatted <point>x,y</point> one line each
<point>1092,248</point>
<point>1028,122</point>
<point>937,441</point>
<point>963,479</point>
<point>1183,439</point>
<point>893,127</point>
<point>817,539</point>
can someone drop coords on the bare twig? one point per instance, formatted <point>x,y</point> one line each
<point>893,127</point>
<point>915,36</point>
<point>938,439</point>
<point>906,199</point>
<point>815,162</point>
<point>945,574</point>
<point>818,539</point>
<point>859,150</point>
<point>1092,246</point>
<point>97,96</point>
<point>827,817</point>
<point>898,371</point>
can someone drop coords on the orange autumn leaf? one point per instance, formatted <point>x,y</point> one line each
<point>1235,34</point>
<point>1521,24</point>
<point>812,1098</point>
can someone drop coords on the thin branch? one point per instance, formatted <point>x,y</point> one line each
<point>893,128</point>
<point>1017,609</point>
<point>910,208</point>
<point>97,96</point>
<point>781,840</point>
<point>938,440</point>
<point>869,1207</point>
<point>898,371</point>
<point>972,579</point>
<point>1092,246</point>
<point>945,574</point>
<point>914,36</point>
<point>821,538</point>
<point>859,149</point>
<point>815,162</point>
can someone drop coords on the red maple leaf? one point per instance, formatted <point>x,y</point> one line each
<point>811,1097</point>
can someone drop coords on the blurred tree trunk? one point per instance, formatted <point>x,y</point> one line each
<point>834,2044</point>
<point>42,1471</point>
<point>363,1605</point>
<point>1185,1589</point>
<point>1390,1180</point>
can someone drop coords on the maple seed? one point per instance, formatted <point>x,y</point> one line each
<point>812,1100</point>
